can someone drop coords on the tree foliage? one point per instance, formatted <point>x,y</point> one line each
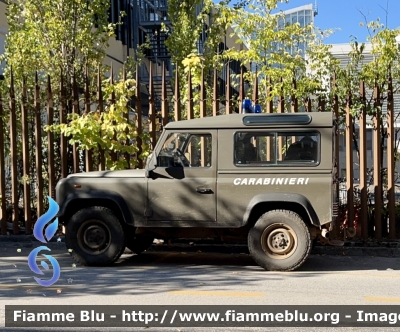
<point>196,29</point>
<point>63,38</point>
<point>279,49</point>
<point>60,39</point>
<point>56,36</point>
<point>109,131</point>
<point>263,40</point>
<point>372,62</point>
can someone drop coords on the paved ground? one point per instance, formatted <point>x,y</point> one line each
<point>200,278</point>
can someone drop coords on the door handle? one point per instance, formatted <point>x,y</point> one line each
<point>204,190</point>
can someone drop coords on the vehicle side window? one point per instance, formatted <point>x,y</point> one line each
<point>186,150</point>
<point>277,149</point>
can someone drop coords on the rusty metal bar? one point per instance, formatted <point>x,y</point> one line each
<point>152,112</point>
<point>127,155</point>
<point>281,109</point>
<point>363,164</point>
<point>321,104</point>
<point>50,140</point>
<point>391,136</point>
<point>113,154</point>
<point>190,110</point>
<point>63,139</point>
<point>228,103</point>
<point>255,101</point>
<point>215,93</point>
<point>269,103</point>
<point>25,160</point>
<point>336,164</point>
<point>241,90</point>
<point>255,90</point>
<point>294,104</point>
<point>349,163</point>
<point>88,153</point>
<point>377,164</point>
<point>177,101</point>
<point>203,113</point>
<point>336,113</point>
<point>102,160</point>
<point>139,124</point>
<point>281,101</point>
<point>3,209</point>
<point>203,98</point>
<point>38,141</point>
<point>164,98</point>
<point>308,105</point>
<point>75,110</point>
<point>14,157</point>
<point>269,109</point>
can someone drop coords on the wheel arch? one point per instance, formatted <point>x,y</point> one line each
<point>109,199</point>
<point>297,203</point>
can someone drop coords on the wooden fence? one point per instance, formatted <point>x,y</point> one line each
<point>17,165</point>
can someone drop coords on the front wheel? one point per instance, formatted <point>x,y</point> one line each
<point>95,236</point>
<point>279,241</point>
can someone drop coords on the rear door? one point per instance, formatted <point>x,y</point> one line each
<point>273,161</point>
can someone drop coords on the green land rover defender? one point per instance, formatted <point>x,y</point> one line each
<point>262,179</point>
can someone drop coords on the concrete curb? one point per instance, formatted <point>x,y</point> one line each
<point>381,249</point>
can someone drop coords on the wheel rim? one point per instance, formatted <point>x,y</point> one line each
<point>279,241</point>
<point>94,237</point>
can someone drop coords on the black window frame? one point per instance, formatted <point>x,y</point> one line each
<point>274,134</point>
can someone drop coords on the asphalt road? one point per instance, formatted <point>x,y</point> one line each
<point>184,278</point>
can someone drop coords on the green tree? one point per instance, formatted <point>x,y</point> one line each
<point>108,131</point>
<point>374,67</point>
<point>272,46</point>
<point>64,37</point>
<point>373,62</point>
<point>195,31</point>
<point>279,49</point>
<point>56,36</point>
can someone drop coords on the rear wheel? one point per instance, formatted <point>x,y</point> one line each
<point>95,236</point>
<point>279,241</point>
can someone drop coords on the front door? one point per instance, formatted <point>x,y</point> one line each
<point>182,189</point>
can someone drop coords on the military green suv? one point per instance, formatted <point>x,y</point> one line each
<point>264,179</point>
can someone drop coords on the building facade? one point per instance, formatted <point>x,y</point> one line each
<point>304,15</point>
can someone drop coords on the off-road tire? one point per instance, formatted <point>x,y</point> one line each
<point>139,244</point>
<point>276,224</point>
<point>90,222</point>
